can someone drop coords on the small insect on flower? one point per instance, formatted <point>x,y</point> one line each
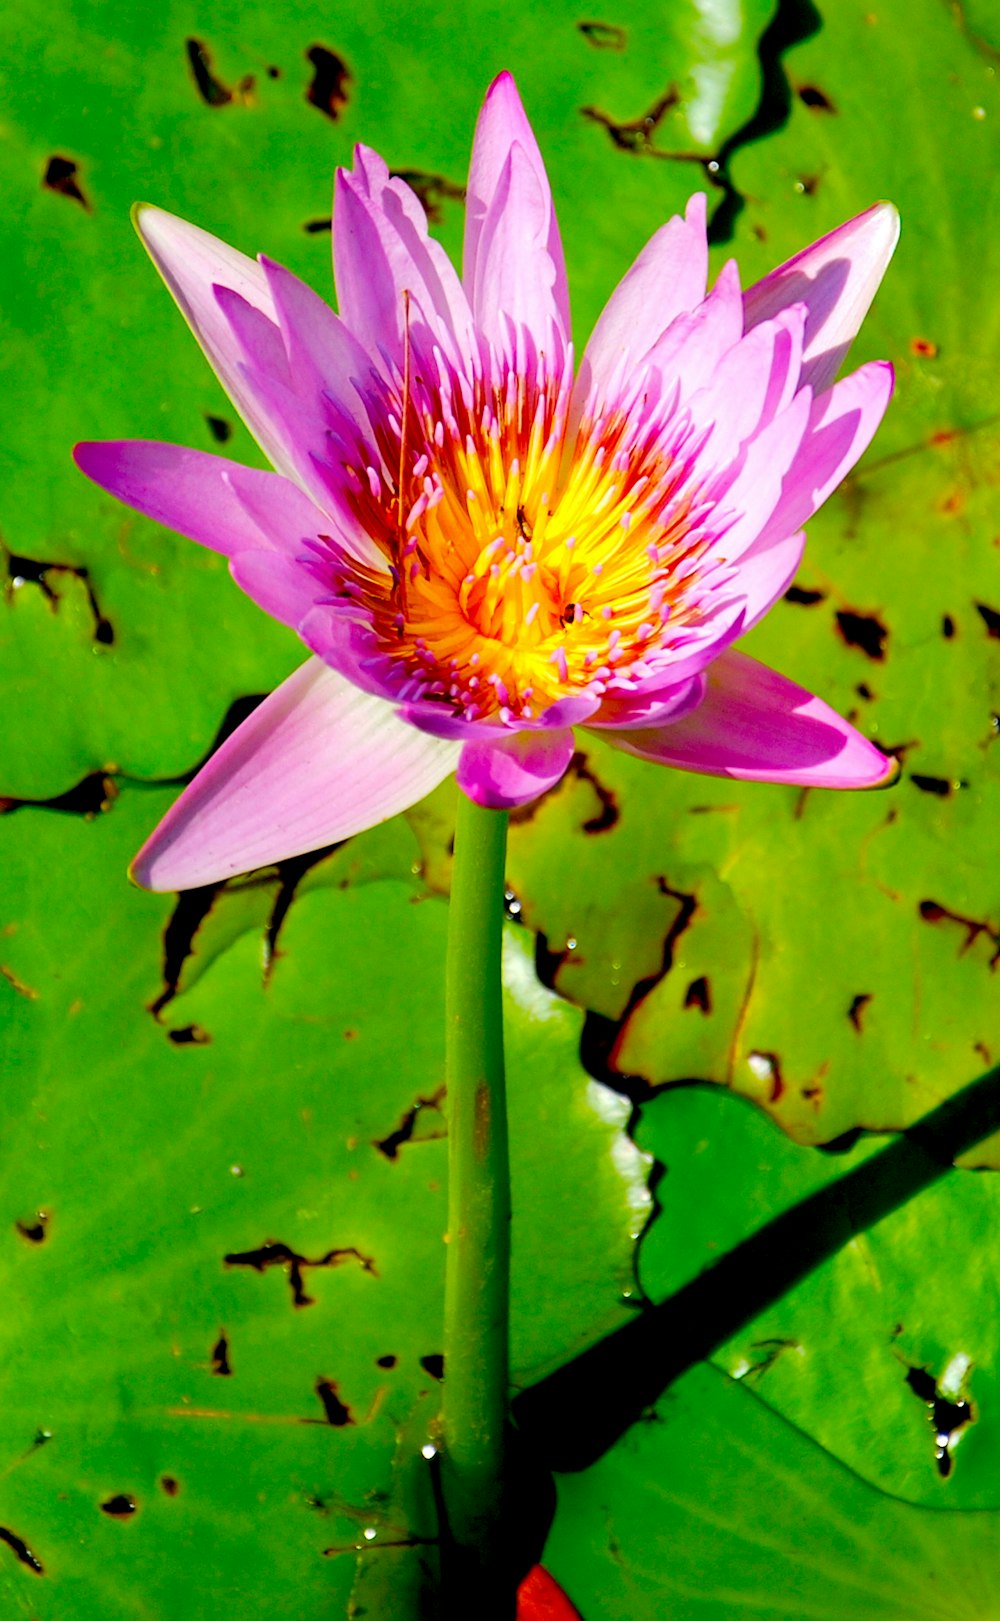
<point>483,548</point>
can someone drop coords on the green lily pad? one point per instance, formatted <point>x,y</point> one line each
<point>790,1531</point>
<point>224,1230</point>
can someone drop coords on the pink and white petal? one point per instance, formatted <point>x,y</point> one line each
<point>318,761</point>
<point>766,572</point>
<point>693,345</point>
<point>667,280</point>
<point>193,264</point>
<point>841,425</point>
<point>753,382</point>
<point>756,725</point>
<point>502,123</point>
<point>381,250</point>
<point>753,495</point>
<point>218,503</point>
<point>837,277</point>
<point>515,769</point>
<point>257,336</point>
<point>515,280</point>
<point>279,584</point>
<point>324,356</point>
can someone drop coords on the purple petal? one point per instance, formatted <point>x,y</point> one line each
<point>693,345</point>
<point>840,428</point>
<point>515,277</point>
<point>194,264</point>
<point>758,726</point>
<point>667,280</point>
<point>753,382</point>
<point>318,761</point>
<point>514,770</point>
<point>837,278</point>
<point>502,124</point>
<point>218,503</point>
<point>324,356</point>
<point>278,584</point>
<point>653,706</point>
<point>766,572</point>
<point>381,250</point>
<point>754,493</point>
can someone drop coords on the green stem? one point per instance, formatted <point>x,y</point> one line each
<point>477,1272</point>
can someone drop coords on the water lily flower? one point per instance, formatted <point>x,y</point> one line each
<point>481,550</point>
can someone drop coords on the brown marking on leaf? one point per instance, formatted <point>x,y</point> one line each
<point>61,175</point>
<point>931,785</point>
<point>35,1231</point>
<point>19,1548</point>
<point>403,1133</point>
<point>22,571</point>
<point>864,631</point>
<point>863,690</point>
<point>119,1507</point>
<point>331,76</point>
<point>221,1365</point>
<point>314,227</point>
<point>814,98</point>
<point>609,815</point>
<point>923,348</point>
<point>19,985</point>
<point>219,428</point>
<point>209,86</point>
<point>953,503</point>
<point>433,1365</point>
<point>636,135</point>
<point>933,912</point>
<point>335,1411</point>
<point>984,1052</point>
<point>856,1010</point>
<point>274,1253</point>
<point>947,627</point>
<point>604,36</point>
<point>699,994</point>
<point>387,1361</point>
<point>803,598</point>
<point>170,1484</point>
<point>990,618</point>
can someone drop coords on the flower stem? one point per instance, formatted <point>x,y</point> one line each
<point>477,1272</point>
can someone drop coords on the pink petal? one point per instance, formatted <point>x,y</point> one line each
<point>693,345</point>
<point>502,124</point>
<point>756,725</point>
<point>278,584</point>
<point>837,277</point>
<point>752,495</point>
<point>324,356</point>
<point>840,428</point>
<point>515,278</point>
<point>381,249</point>
<point>765,573</point>
<point>218,503</point>
<point>193,264</point>
<point>515,769</point>
<point>667,280</point>
<point>318,761</point>
<point>653,706</point>
<point>753,382</point>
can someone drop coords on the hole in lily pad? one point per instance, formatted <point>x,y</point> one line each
<point>434,1365</point>
<point>990,618</point>
<point>949,1411</point>
<point>856,1010</point>
<point>699,994</point>
<point>61,176</point>
<point>219,428</point>
<point>21,1551</point>
<point>277,1254</point>
<point>335,1411</point>
<point>170,1484</point>
<point>931,785</point>
<point>221,1364</point>
<point>863,631</point>
<point>210,87</point>
<point>331,76</point>
<point>35,1230</point>
<point>388,1361</point>
<point>424,1122</point>
<point>604,36</point>
<point>119,1507</point>
<point>803,598</point>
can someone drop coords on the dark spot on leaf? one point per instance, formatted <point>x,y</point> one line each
<point>947,627</point>
<point>22,571</point>
<point>808,184</point>
<point>189,1035</point>
<point>547,961</point>
<point>388,1361</point>
<point>863,690</point>
<point>273,72</point>
<point>314,227</point>
<point>390,1145</point>
<point>221,1364</point>
<point>805,599</point>
<point>636,136</point>
<point>434,1365</point>
<point>432,189</point>
<point>699,995</point>
<point>119,1507</point>
<point>923,348</point>
<point>61,176</point>
<point>334,1409</point>
<point>219,428</point>
<point>20,1549</point>
<point>92,795</point>
<point>857,1008</point>
<point>934,912</point>
<point>277,1254</point>
<point>331,76</point>
<point>608,815</point>
<point>815,99</point>
<point>210,88</point>
<point>864,631</point>
<point>947,1417</point>
<point>35,1231</point>
<point>931,785</point>
<point>604,36</point>
<point>171,1485</point>
<point>193,906</point>
<point>990,618</point>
